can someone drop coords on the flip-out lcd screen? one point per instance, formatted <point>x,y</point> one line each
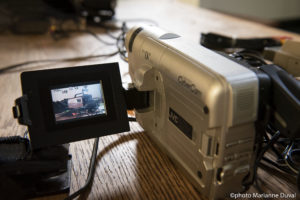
<point>73,103</point>
<point>78,101</point>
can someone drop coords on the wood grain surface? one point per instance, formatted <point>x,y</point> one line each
<point>129,165</point>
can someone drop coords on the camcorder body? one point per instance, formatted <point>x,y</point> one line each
<point>203,108</point>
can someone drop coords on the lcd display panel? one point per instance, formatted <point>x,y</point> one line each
<point>78,101</point>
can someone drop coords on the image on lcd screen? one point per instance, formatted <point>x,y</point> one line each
<point>78,102</point>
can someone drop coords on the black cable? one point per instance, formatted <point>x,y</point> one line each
<point>257,186</point>
<point>121,39</point>
<point>259,157</point>
<point>98,38</point>
<point>287,162</point>
<point>251,57</point>
<point>264,150</point>
<point>92,168</point>
<point>63,33</point>
<point>120,51</point>
<point>275,164</point>
<point>91,172</point>
<point>111,35</point>
<point>292,163</point>
<point>278,154</point>
<point>4,69</point>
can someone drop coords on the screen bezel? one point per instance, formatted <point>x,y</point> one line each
<point>44,130</point>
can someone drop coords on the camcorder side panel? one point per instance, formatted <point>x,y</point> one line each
<point>202,111</point>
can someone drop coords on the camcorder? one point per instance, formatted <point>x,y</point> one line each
<point>208,111</point>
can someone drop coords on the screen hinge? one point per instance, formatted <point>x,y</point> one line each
<point>136,99</point>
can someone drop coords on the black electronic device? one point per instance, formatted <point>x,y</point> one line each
<point>41,16</point>
<point>215,114</point>
<point>71,104</point>
<point>217,41</point>
<point>33,173</point>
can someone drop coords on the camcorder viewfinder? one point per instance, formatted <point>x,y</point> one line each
<point>71,104</point>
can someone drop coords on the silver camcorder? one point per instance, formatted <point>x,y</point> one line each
<point>203,108</point>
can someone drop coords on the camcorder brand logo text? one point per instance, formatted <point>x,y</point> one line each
<point>188,84</point>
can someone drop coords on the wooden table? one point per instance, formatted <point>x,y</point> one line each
<point>129,165</point>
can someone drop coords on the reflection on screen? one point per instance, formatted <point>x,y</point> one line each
<point>77,102</point>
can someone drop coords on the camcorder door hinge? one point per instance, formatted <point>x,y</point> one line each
<point>21,111</point>
<point>136,99</point>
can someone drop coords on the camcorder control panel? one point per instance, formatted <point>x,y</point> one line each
<point>71,104</point>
